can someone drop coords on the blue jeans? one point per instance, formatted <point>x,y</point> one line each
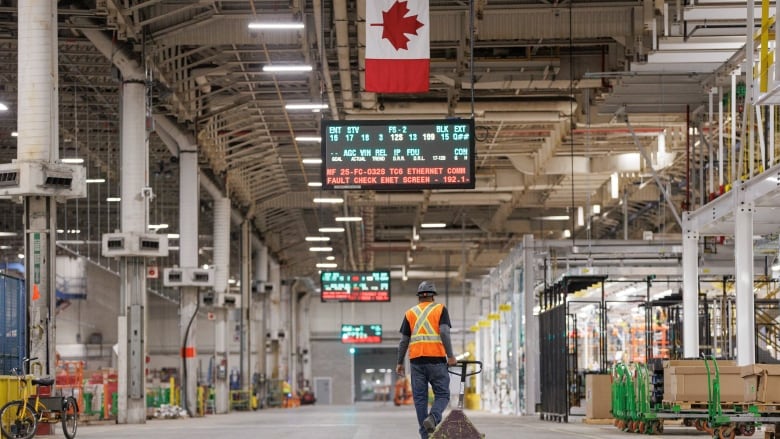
<point>439,378</point>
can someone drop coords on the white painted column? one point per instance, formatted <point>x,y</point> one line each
<point>532,388</point>
<point>221,273</point>
<point>690,266</point>
<point>38,127</point>
<point>743,266</point>
<point>189,210</point>
<point>134,219</point>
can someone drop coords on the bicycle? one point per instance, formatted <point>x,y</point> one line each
<point>19,419</point>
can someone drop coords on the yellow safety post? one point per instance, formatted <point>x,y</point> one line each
<point>172,392</point>
<point>201,402</point>
<point>764,83</point>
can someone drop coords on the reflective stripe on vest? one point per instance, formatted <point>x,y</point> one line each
<point>425,340</point>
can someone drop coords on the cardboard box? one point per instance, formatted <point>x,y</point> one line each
<point>751,378</point>
<point>690,383</point>
<point>598,396</point>
<point>765,379</point>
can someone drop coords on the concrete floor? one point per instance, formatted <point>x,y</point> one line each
<point>361,421</point>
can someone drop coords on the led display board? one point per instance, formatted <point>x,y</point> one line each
<point>398,155</point>
<point>355,286</point>
<point>361,334</point>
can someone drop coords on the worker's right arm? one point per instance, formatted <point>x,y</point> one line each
<point>403,346</point>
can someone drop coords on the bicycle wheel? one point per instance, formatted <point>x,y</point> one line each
<point>70,415</point>
<point>18,420</point>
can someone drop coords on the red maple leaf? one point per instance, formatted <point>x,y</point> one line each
<point>396,25</point>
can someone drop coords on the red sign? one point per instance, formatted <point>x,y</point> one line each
<point>152,272</point>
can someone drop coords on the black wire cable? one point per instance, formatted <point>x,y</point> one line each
<point>184,367</point>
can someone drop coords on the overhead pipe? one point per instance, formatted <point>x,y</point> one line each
<point>318,13</point>
<point>481,109</point>
<point>342,50</point>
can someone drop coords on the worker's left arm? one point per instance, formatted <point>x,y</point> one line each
<point>446,339</point>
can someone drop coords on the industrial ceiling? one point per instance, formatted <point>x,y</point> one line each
<point>550,84</point>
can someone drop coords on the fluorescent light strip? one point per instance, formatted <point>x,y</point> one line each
<point>433,225</point>
<point>320,249</point>
<point>344,219</point>
<point>14,134</point>
<point>113,199</point>
<point>287,68</point>
<point>72,161</point>
<point>317,238</point>
<point>306,106</point>
<point>157,226</point>
<point>331,229</point>
<point>329,200</point>
<point>173,236</point>
<point>327,265</point>
<point>331,258</point>
<point>275,26</point>
<point>317,139</point>
<point>315,184</point>
<point>311,161</point>
<point>3,107</point>
<point>3,234</point>
<point>95,180</point>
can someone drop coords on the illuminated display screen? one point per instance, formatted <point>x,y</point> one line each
<point>355,286</point>
<point>361,334</point>
<point>398,155</point>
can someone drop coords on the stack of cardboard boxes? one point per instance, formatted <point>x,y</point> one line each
<point>686,381</point>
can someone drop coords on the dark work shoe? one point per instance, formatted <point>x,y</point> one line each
<point>429,424</point>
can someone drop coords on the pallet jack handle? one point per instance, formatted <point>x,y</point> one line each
<point>463,365</point>
<point>463,373</point>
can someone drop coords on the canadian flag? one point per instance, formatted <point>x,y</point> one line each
<point>398,54</point>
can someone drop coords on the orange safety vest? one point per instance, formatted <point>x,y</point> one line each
<point>424,321</point>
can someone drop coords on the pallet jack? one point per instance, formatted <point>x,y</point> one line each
<point>456,425</point>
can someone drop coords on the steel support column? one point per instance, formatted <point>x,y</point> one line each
<point>743,268</point>
<point>38,127</point>
<point>246,305</point>
<point>221,273</point>
<point>532,390</point>
<point>690,264</point>
<point>134,218</point>
<point>189,208</point>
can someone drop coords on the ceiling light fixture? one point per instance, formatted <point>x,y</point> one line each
<point>345,219</point>
<point>3,107</point>
<point>433,225</point>
<point>317,139</point>
<point>306,106</point>
<point>72,160</point>
<point>14,134</point>
<point>596,209</point>
<point>330,258</point>
<point>331,229</point>
<point>287,68</point>
<point>95,180</point>
<point>317,238</point>
<point>275,25</point>
<point>157,226</point>
<point>329,200</point>
<point>311,161</point>
<point>113,199</point>
<point>320,249</point>
<point>173,236</point>
<point>315,184</point>
<point>327,265</point>
<point>3,234</point>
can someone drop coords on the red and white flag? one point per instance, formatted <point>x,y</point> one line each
<point>398,57</point>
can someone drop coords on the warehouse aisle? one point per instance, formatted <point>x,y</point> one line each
<point>362,421</point>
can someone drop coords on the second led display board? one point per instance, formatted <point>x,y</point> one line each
<point>355,286</point>
<point>398,155</point>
